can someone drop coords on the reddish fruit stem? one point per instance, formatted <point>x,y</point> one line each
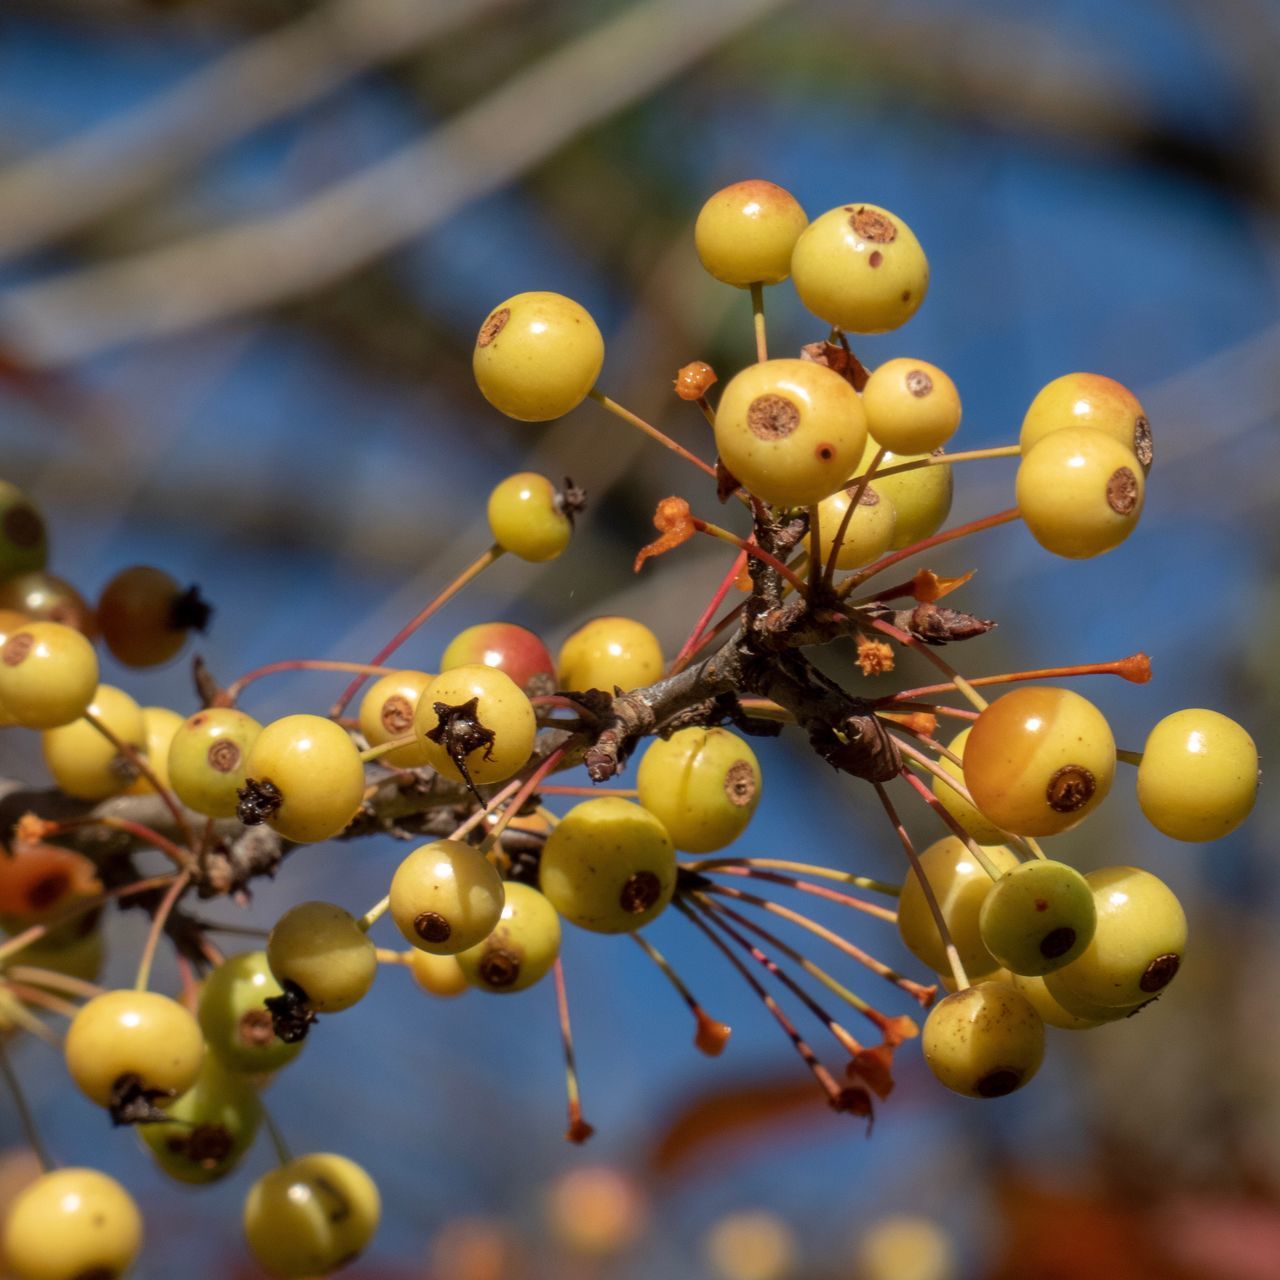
<point>1136,668</point>
<point>717,600</point>
<point>231,694</point>
<point>711,1036</point>
<point>579,1130</point>
<point>749,546</point>
<point>818,890</point>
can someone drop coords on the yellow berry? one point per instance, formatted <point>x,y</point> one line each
<point>956,805</point>
<point>72,1224</point>
<point>1199,775</point>
<point>870,531</point>
<point>790,430</point>
<point>48,675</point>
<point>321,950</point>
<point>1089,400</point>
<point>446,897</point>
<point>745,233</point>
<point>1080,492</point>
<point>860,267</point>
<point>520,950</point>
<point>608,653</point>
<point>208,756</point>
<point>437,975</point>
<point>234,1017</point>
<point>921,497</point>
<point>985,1041</point>
<point>537,355</point>
<point>1051,1012</point>
<point>477,715</point>
<point>911,406</point>
<point>314,770</point>
<point>703,785</point>
<point>386,713</point>
<point>159,725</point>
<point>85,763</point>
<point>527,517</point>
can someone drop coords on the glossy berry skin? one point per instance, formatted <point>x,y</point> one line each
<point>703,785</point>
<point>23,544</point>
<point>746,231</point>
<point>537,355</point>
<point>527,517</point>
<point>446,897</point>
<point>133,1033</point>
<point>234,1018</point>
<point>985,1041</point>
<point>1199,775</point>
<point>870,530</point>
<point>911,406</point>
<point>860,268</point>
<point>213,1125</point>
<point>159,725</point>
<point>1038,917</point>
<point>1038,760</point>
<point>520,950</point>
<point>960,885</point>
<point>1137,946</point>
<point>790,430</point>
<point>386,713</point>
<point>501,709</point>
<point>311,1216</point>
<point>10,621</point>
<point>45,597</point>
<point>1054,1014</point>
<point>70,1224</point>
<point>321,949</point>
<point>609,866</point>
<point>317,770</point>
<point>48,675</point>
<point>1080,492</point>
<point>208,757</point>
<point>956,805</point>
<point>440,976</point>
<point>82,761</point>
<point>514,650</point>
<point>1089,400</point>
<point>136,615</point>
<point>921,498</point>
<point>608,653</point>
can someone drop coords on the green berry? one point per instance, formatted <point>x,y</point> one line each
<point>207,760</point>
<point>1038,917</point>
<point>985,1041</point>
<point>234,1017</point>
<point>609,866</point>
<point>537,355</point>
<point>23,545</point>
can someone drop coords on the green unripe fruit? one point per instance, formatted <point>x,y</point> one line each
<point>1038,917</point>
<point>235,1019</point>
<point>609,866</point>
<point>985,1041</point>
<point>703,785</point>
<point>207,759</point>
<point>23,544</point>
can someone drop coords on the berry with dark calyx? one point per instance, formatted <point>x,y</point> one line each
<point>608,653</point>
<point>475,724</point>
<point>320,955</point>
<point>437,975</point>
<point>44,597</point>
<point>72,1224</point>
<point>1038,760</point>
<point>446,897</point>
<point>537,355</point>
<point>1198,778</point>
<point>1080,492</point>
<point>790,430</point>
<point>234,1017</point>
<point>860,268</point>
<point>1137,945</point>
<point>515,651</point>
<point>208,756</point>
<point>911,406</point>
<point>529,517</point>
<point>745,233</point>
<point>702,784</point>
<point>985,1041</point>
<point>24,546</point>
<point>125,1047</point>
<point>315,771</point>
<point>522,947</point>
<point>48,675</point>
<point>310,1216</point>
<point>870,531</point>
<point>1038,917</point>
<point>609,866</point>
<point>1089,400</point>
<point>159,726</point>
<point>960,885</point>
<point>208,1128</point>
<point>144,615</point>
<point>84,762</point>
<point>386,713</point>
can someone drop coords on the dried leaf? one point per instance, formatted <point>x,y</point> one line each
<point>928,587</point>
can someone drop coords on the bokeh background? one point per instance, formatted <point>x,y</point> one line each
<point>244,249</point>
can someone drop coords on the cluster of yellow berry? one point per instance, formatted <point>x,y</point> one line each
<point>837,470</point>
